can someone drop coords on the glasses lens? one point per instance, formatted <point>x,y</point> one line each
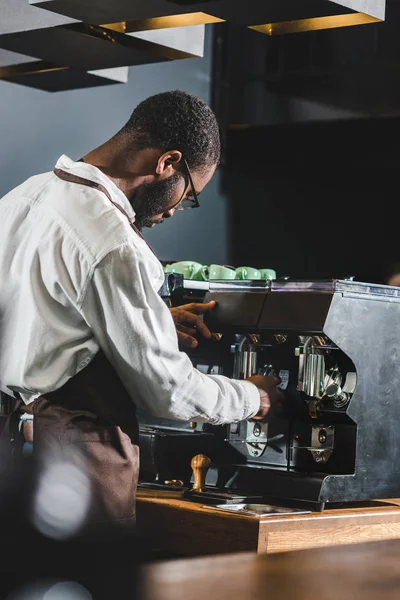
<point>189,202</point>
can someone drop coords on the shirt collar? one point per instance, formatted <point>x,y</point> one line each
<point>94,174</point>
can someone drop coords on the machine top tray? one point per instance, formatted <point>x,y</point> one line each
<point>314,286</point>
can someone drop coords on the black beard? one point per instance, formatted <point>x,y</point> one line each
<point>153,198</point>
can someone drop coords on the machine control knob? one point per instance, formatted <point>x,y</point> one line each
<point>257,430</point>
<point>334,391</point>
<point>200,465</point>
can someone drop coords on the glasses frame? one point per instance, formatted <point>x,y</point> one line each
<point>195,203</point>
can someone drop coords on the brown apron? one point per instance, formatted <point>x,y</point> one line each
<point>93,416</point>
<point>91,419</point>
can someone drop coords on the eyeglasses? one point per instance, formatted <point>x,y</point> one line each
<point>190,201</point>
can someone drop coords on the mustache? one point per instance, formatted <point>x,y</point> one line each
<point>142,222</point>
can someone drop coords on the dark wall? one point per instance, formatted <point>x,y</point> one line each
<point>315,200</point>
<point>340,73</point>
<point>311,127</point>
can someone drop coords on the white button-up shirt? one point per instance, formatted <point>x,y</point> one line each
<point>75,277</point>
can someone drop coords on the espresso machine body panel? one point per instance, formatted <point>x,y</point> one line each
<point>340,441</point>
<point>295,311</point>
<point>334,345</point>
<point>237,312</point>
<point>367,328</point>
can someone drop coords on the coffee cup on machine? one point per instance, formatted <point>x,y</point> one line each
<point>188,268</point>
<point>217,272</point>
<point>247,273</point>
<point>268,274</point>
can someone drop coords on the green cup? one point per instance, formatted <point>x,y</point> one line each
<point>217,272</point>
<point>247,273</point>
<point>188,268</point>
<point>268,274</point>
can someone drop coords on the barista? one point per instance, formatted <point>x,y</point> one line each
<point>84,334</point>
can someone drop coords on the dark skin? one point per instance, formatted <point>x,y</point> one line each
<point>188,322</point>
<point>133,173</point>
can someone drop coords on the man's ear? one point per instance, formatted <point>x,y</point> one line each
<point>168,161</point>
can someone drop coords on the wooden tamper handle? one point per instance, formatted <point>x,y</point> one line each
<point>200,465</point>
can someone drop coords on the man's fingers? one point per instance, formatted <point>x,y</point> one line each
<point>209,306</point>
<point>198,308</point>
<point>188,315</point>
<point>184,329</point>
<point>186,340</point>
<point>265,382</point>
<point>192,319</point>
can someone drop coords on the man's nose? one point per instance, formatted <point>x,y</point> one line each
<point>169,213</point>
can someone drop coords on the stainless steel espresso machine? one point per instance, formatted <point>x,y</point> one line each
<point>335,345</point>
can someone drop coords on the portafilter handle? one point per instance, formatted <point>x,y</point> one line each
<point>200,465</point>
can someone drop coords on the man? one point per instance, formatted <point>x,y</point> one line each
<point>84,334</point>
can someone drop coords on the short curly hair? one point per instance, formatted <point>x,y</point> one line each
<point>176,120</point>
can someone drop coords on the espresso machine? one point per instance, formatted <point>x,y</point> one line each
<point>334,345</point>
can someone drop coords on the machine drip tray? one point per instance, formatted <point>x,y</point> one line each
<point>215,496</point>
<point>265,510</point>
<point>236,501</point>
<point>227,498</point>
<point>259,510</point>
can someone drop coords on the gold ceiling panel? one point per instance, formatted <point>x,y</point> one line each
<point>184,20</point>
<point>54,78</point>
<point>315,24</point>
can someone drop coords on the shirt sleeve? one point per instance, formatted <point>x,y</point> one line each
<point>135,329</point>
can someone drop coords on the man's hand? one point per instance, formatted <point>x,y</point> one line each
<point>188,323</point>
<point>271,397</point>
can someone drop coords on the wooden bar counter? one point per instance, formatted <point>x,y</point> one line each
<point>356,572</point>
<point>184,528</point>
